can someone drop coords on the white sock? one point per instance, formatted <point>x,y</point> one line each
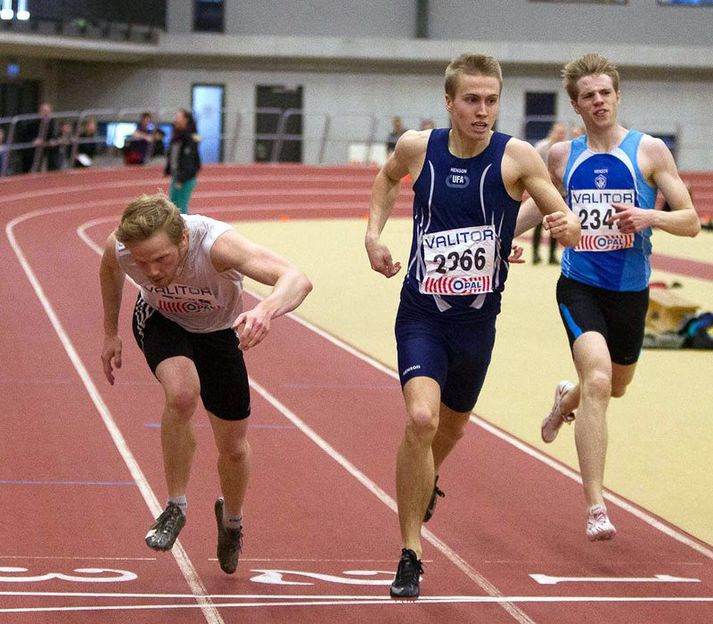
<point>180,501</point>
<point>232,522</point>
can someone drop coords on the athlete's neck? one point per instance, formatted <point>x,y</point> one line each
<point>464,147</point>
<point>605,140</point>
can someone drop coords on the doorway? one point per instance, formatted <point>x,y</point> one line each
<point>208,104</point>
<point>278,123</point>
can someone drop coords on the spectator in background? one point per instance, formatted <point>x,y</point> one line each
<point>139,144</point>
<point>557,133</point>
<point>87,144</point>
<point>159,147</point>
<point>397,129</point>
<point>427,124</point>
<point>4,155</point>
<point>183,161</point>
<point>63,145</point>
<point>38,131</point>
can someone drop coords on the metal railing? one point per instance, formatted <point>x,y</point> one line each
<point>293,135</point>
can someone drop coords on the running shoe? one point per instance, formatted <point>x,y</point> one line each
<point>408,576</point>
<point>599,527</point>
<point>230,541</point>
<point>553,421</point>
<point>168,525</point>
<point>437,493</point>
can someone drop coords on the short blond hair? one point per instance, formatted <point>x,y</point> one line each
<point>475,64</point>
<point>591,64</point>
<point>147,215</point>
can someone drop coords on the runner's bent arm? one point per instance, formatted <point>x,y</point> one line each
<point>384,192</point>
<point>535,179</point>
<point>682,220</point>
<point>289,285</point>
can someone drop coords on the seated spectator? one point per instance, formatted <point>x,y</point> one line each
<point>62,145</point>
<point>397,129</point>
<point>38,132</point>
<point>139,145</point>
<point>87,143</point>
<point>159,146</point>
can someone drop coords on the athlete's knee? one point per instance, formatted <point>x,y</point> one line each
<point>422,420</point>
<point>618,390</point>
<point>236,452</point>
<point>181,402</point>
<point>452,429</point>
<point>597,384</point>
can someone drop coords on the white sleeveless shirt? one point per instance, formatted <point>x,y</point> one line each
<point>200,299</point>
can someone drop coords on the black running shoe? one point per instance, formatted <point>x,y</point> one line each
<point>437,493</point>
<point>230,541</point>
<point>168,525</point>
<point>408,576</point>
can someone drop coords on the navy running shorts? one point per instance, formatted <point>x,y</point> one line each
<point>455,355</point>
<point>223,377</point>
<point>618,316</point>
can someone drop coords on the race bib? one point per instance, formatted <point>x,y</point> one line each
<point>593,207</point>
<point>459,262</point>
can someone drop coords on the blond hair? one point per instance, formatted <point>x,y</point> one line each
<point>591,64</point>
<point>147,215</point>
<point>475,64</point>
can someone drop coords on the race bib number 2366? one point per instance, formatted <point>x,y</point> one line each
<point>459,262</point>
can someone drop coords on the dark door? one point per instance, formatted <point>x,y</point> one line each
<point>278,124</point>
<point>19,97</point>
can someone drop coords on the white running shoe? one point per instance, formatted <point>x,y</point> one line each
<point>553,421</point>
<point>599,527</point>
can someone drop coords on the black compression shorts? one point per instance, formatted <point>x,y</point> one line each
<point>618,316</point>
<point>221,368</point>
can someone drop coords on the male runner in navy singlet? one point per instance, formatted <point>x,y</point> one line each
<point>610,178</point>
<point>469,182</point>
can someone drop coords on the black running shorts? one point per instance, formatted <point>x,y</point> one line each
<point>221,369</point>
<point>618,316</point>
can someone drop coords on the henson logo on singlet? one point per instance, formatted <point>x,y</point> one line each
<point>457,178</point>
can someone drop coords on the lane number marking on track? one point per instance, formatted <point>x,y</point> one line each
<point>97,575</point>
<point>276,577</point>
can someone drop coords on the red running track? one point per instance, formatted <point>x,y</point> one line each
<point>81,475</point>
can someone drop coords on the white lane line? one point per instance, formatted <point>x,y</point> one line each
<point>331,601</point>
<point>642,515</point>
<point>342,597</point>
<point>370,485</point>
<point>545,579</point>
<point>446,550</point>
<point>525,448</point>
<point>185,565</point>
<point>476,420</point>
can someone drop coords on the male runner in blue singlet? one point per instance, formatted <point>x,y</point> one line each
<point>610,178</point>
<point>469,182</point>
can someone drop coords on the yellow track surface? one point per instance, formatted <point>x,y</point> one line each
<point>660,433</point>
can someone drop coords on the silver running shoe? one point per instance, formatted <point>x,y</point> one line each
<point>230,542</point>
<point>553,421</point>
<point>599,527</point>
<point>165,530</point>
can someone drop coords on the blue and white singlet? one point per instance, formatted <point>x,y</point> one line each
<point>604,257</point>
<point>463,225</point>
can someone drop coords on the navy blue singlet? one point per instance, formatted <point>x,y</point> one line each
<point>463,225</point>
